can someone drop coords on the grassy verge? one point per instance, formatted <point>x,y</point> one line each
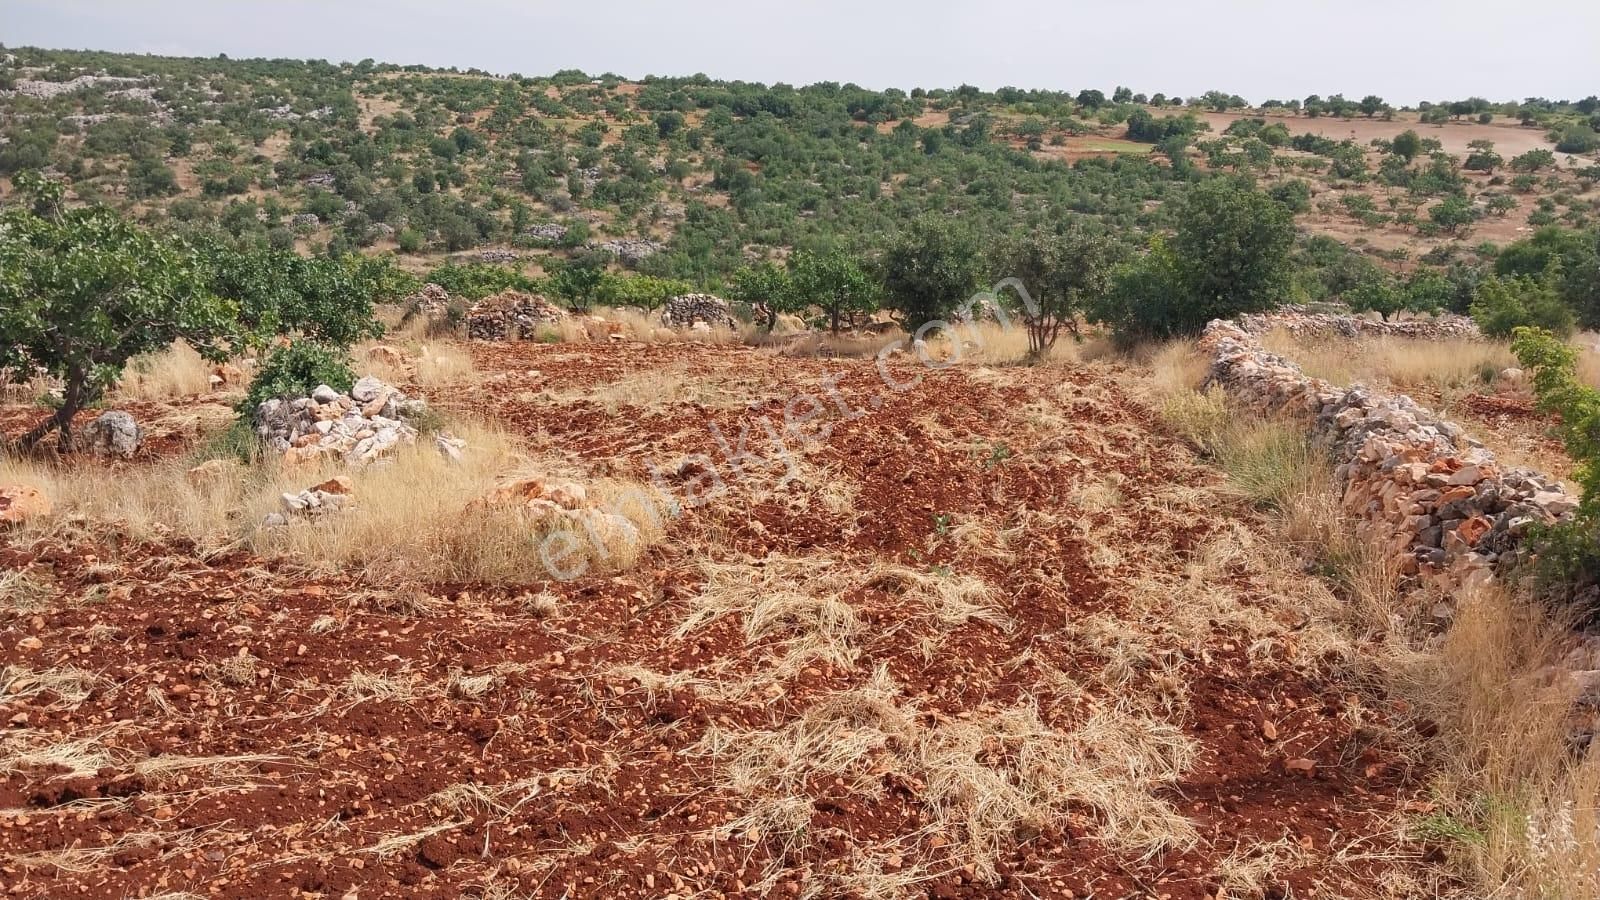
<point>1513,794</point>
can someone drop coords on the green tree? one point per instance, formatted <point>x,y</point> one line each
<point>1453,213</point>
<point>834,281</point>
<point>930,269</point>
<point>1482,158</point>
<point>1533,161</point>
<point>1229,255</point>
<point>1062,274</point>
<point>83,291</point>
<point>1407,144</point>
<point>764,287</point>
<point>1502,305</point>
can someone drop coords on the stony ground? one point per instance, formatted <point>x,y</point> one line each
<point>996,634</point>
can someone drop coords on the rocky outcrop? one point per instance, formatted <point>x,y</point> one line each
<point>684,311</point>
<point>360,427</point>
<point>511,315</point>
<point>1447,511</point>
<point>44,90</point>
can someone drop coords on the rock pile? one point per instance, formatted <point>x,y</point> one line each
<point>498,256</point>
<point>511,315</point>
<point>1298,322</point>
<point>334,495</point>
<point>113,433</point>
<point>549,231</point>
<point>360,428</point>
<point>1449,514</point>
<point>684,311</point>
<point>305,220</point>
<point>630,251</point>
<point>431,302</point>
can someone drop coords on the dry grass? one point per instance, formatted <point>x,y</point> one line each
<point>637,325</point>
<point>985,783</point>
<point>414,519</point>
<point>24,592</point>
<point>805,603</point>
<point>170,374</point>
<point>1512,798</point>
<point>1401,363</point>
<point>429,365</point>
<point>68,686</point>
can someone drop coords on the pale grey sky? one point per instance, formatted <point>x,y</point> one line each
<point>1404,50</point>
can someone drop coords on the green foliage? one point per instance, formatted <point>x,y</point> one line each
<point>1502,305</point>
<point>1293,193</point>
<point>579,281</point>
<point>1569,552</point>
<point>278,292</point>
<point>834,281</point>
<point>643,291</point>
<point>1533,161</point>
<point>1578,139</point>
<point>83,291</point>
<point>1407,144</point>
<point>1062,273</point>
<point>930,270</point>
<point>295,370</point>
<point>764,286</point>
<point>1229,255</point>
<point>1453,213</point>
<point>1151,130</point>
<point>474,281</point>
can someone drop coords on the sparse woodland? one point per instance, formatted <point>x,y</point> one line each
<point>440,483</point>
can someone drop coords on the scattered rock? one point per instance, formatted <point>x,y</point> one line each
<point>449,446</point>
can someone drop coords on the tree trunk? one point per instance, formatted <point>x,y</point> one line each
<point>61,420</point>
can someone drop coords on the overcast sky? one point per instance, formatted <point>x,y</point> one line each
<point>1404,50</point>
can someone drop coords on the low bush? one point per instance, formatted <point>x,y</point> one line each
<point>296,370</point>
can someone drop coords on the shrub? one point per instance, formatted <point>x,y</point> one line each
<point>1230,255</point>
<point>1500,306</point>
<point>296,370</point>
<point>1569,553</point>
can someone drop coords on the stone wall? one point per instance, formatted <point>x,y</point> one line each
<point>1448,512</point>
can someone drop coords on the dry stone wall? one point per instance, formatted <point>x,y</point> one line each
<point>1448,512</point>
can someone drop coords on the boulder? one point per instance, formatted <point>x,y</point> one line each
<point>21,503</point>
<point>113,433</point>
<point>212,472</point>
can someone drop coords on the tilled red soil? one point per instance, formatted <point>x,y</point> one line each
<point>247,732</point>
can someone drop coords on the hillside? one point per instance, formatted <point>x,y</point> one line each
<point>691,178</point>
